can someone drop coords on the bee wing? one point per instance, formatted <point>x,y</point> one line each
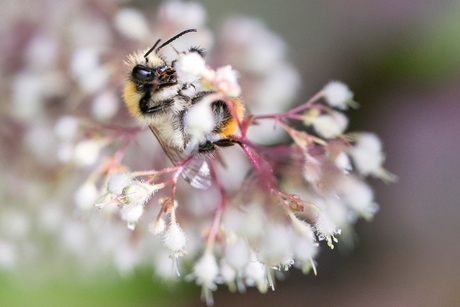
<point>196,172</point>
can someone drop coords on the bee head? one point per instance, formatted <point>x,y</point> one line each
<point>151,69</point>
<point>149,78</point>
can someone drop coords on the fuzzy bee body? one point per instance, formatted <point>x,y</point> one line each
<point>156,98</point>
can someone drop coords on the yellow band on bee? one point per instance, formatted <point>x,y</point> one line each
<point>232,127</point>
<point>132,98</point>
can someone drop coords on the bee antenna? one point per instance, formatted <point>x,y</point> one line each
<point>151,49</point>
<point>169,41</point>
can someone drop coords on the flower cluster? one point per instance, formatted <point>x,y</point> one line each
<point>269,207</point>
<point>259,228</point>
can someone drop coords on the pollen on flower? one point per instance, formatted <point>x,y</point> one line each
<point>326,229</point>
<point>337,95</point>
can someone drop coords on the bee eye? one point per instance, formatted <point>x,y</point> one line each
<point>143,73</point>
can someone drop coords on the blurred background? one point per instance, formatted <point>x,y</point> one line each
<point>401,59</point>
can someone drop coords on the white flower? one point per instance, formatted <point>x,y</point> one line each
<point>226,81</point>
<point>175,240</point>
<point>117,182</point>
<point>105,105</point>
<point>312,169</point>
<point>85,196</point>
<point>255,275</point>
<point>326,229</point>
<point>205,272</point>
<point>66,128</point>
<point>359,196</point>
<point>337,94</point>
<point>304,248</point>
<point>227,272</point>
<point>367,154</point>
<point>86,152</point>
<point>157,226</point>
<point>330,126</point>
<point>189,67</point>
<point>138,193</point>
<point>27,104</point>
<point>274,248</point>
<point>131,23</point>
<point>342,161</point>
<point>237,254</point>
<point>182,14</point>
<point>84,61</point>
<point>301,227</point>
<point>95,80</point>
<point>131,214</point>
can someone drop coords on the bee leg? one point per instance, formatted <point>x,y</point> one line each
<point>225,142</point>
<point>206,147</point>
<point>162,105</point>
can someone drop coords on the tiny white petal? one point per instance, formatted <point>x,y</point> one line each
<point>189,67</point>
<point>174,238</point>
<point>329,126</point>
<point>367,154</point>
<point>275,245</point>
<point>206,269</point>
<point>255,275</point>
<point>86,196</point>
<point>226,80</point>
<point>138,193</point>
<point>326,229</point>
<point>342,161</point>
<point>227,272</point>
<point>157,226</point>
<point>237,254</point>
<point>131,214</point>
<point>117,182</point>
<point>337,94</point>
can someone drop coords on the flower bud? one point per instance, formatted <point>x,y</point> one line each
<point>337,95</point>
<point>174,239</point>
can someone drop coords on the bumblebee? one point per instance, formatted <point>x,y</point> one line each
<point>158,99</point>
